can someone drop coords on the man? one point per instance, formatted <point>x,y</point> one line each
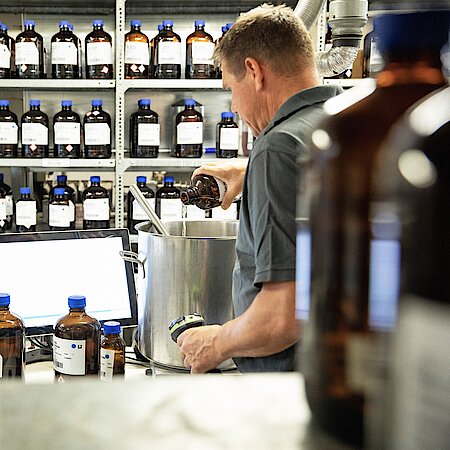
<point>268,63</point>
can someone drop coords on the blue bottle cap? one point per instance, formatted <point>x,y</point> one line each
<point>167,23</point>
<point>4,102</point>
<point>408,34</point>
<point>144,101</point>
<point>25,190</point>
<point>227,115</point>
<point>97,102</point>
<point>64,23</point>
<point>135,23</point>
<point>77,301</point>
<point>210,150</point>
<point>169,179</point>
<point>160,27</point>
<point>111,327</point>
<point>97,23</point>
<point>95,179</point>
<point>141,179</point>
<point>59,191</point>
<point>189,102</point>
<point>4,27</point>
<point>66,103</point>
<point>70,27</point>
<point>224,28</point>
<point>5,299</point>
<point>28,23</point>
<point>61,178</point>
<point>229,25</point>
<point>199,23</point>
<point>35,103</point>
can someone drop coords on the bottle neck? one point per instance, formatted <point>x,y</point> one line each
<point>168,183</point>
<point>146,107</point>
<point>4,308</point>
<point>189,195</point>
<point>96,108</point>
<point>98,27</point>
<point>189,107</point>
<point>4,108</point>
<point>29,28</point>
<point>136,28</point>
<point>24,196</point>
<point>61,183</point>
<point>95,183</point>
<point>35,108</point>
<point>410,72</point>
<point>200,28</point>
<point>67,108</point>
<point>141,184</point>
<point>64,28</point>
<point>168,28</point>
<point>79,310</point>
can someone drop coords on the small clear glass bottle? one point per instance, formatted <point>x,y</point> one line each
<point>112,352</point>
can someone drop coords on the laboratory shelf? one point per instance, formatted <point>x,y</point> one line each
<point>51,84</point>
<point>163,161</point>
<point>45,163</point>
<point>172,84</point>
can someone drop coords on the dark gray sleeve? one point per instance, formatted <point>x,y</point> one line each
<point>272,198</point>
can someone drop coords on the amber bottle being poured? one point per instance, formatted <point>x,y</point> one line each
<point>205,191</point>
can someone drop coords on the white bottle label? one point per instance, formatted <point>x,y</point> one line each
<point>9,205</point>
<point>149,134</point>
<point>137,53</point>
<point>26,213</point>
<point>190,133</point>
<point>138,212</point>
<point>171,209</point>
<point>106,364</point>
<point>67,133</point>
<point>27,53</point>
<point>2,211</point>
<point>59,215</point>
<point>99,53</point>
<point>225,214</point>
<point>229,138</point>
<point>69,356</point>
<point>34,133</point>
<point>202,53</point>
<point>71,211</point>
<point>9,133</point>
<point>97,134</point>
<point>96,209</point>
<point>64,53</point>
<point>169,52</point>
<point>5,57</point>
<point>193,212</point>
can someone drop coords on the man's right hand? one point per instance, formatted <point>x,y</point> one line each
<point>230,172</point>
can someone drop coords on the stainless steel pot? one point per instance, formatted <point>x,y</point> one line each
<point>188,271</point>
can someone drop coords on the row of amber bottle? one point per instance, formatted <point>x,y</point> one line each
<point>159,57</point>
<point>79,348</point>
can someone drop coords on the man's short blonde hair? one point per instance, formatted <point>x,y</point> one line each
<point>272,35</point>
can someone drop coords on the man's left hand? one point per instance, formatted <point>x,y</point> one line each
<point>199,350</point>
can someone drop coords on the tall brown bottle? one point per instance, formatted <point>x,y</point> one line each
<point>12,342</point>
<point>137,57</point>
<point>167,52</point>
<point>199,52</point>
<point>65,53</point>
<point>29,52</point>
<point>99,53</point>
<point>348,301</point>
<point>76,342</point>
<point>9,131</point>
<point>189,132</point>
<point>7,52</point>
<point>112,352</point>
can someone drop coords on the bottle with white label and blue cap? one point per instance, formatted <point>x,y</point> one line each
<point>66,132</point>
<point>12,341</point>
<point>167,49</point>
<point>137,55</point>
<point>35,132</point>
<point>135,213</point>
<point>96,209</point>
<point>9,131</point>
<point>59,211</point>
<point>99,53</point>
<point>29,52</point>
<point>65,52</point>
<point>188,132</point>
<point>97,132</point>
<point>199,53</point>
<point>26,211</point>
<point>7,51</point>
<point>144,131</point>
<point>168,205</point>
<point>76,342</point>
<point>6,204</point>
<point>227,136</point>
<point>112,352</point>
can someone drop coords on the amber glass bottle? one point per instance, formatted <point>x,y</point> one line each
<point>189,132</point>
<point>151,70</point>
<point>29,52</point>
<point>97,132</point>
<point>135,213</point>
<point>65,53</point>
<point>227,137</point>
<point>9,131</point>
<point>218,69</point>
<point>7,52</point>
<point>168,205</point>
<point>167,52</point>
<point>26,211</point>
<point>205,191</point>
<point>66,132</point>
<point>99,53</point>
<point>144,131</point>
<point>112,352</point>
<point>199,52</point>
<point>59,214</point>
<point>137,57</point>
<point>35,132</point>
<point>9,202</point>
<point>95,205</point>
<point>349,301</point>
<point>12,342</point>
<point>61,182</point>
<point>76,342</point>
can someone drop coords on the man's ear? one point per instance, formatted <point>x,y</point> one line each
<point>255,71</point>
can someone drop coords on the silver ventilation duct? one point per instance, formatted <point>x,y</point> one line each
<point>347,19</point>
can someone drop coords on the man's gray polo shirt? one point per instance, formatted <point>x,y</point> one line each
<point>266,238</point>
